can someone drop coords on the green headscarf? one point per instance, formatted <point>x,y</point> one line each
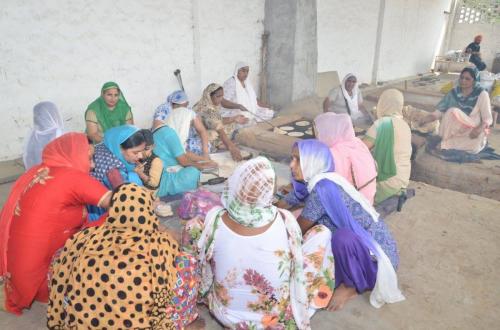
<point>110,118</point>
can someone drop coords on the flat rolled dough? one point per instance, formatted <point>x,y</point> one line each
<point>279,131</point>
<point>296,134</point>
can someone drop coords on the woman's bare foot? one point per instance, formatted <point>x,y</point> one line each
<point>198,324</point>
<point>340,297</point>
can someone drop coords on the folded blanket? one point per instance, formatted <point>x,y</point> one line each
<point>459,156</point>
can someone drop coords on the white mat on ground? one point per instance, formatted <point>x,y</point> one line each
<point>227,166</point>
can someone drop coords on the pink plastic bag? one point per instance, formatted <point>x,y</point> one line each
<point>197,203</point>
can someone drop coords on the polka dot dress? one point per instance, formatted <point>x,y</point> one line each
<point>119,275</point>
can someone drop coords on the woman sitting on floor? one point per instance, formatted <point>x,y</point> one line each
<point>347,98</point>
<point>123,274</point>
<point>220,130</point>
<point>151,167</point>
<point>353,159</point>
<point>181,171</point>
<point>45,207</point>
<point>48,126</point>
<point>390,137</point>
<point>465,114</point>
<point>188,126</point>
<point>107,111</point>
<point>364,250</point>
<point>240,98</point>
<point>257,270</point>
<point>116,159</point>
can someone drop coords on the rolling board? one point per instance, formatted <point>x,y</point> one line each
<point>300,129</point>
<point>300,126</point>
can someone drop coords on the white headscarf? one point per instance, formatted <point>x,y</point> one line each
<point>245,95</point>
<point>390,104</point>
<point>248,194</point>
<point>352,101</point>
<point>180,120</point>
<point>48,125</point>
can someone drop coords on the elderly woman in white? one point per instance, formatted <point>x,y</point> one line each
<point>347,98</point>
<point>240,97</point>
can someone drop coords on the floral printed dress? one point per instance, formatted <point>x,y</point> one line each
<point>251,274</point>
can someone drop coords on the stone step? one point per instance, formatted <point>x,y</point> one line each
<point>10,170</point>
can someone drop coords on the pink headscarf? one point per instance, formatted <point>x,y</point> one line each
<point>352,157</point>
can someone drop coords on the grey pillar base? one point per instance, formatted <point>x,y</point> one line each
<point>292,51</point>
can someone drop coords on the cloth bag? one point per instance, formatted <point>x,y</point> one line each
<point>197,203</point>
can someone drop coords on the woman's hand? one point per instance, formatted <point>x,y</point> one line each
<point>207,164</point>
<point>476,131</point>
<point>282,204</point>
<point>427,119</point>
<point>235,153</point>
<point>240,119</point>
<point>286,189</point>
<point>139,169</point>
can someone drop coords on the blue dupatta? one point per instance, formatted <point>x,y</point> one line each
<point>108,156</point>
<point>316,158</point>
<point>317,164</point>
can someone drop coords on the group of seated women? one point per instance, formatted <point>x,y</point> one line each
<point>255,261</point>
<point>208,126</point>
<point>382,172</point>
<point>127,271</point>
<point>122,272</point>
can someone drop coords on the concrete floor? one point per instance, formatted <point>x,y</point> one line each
<point>449,270</point>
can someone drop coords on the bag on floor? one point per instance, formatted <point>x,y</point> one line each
<point>447,87</point>
<point>197,203</point>
<point>495,94</point>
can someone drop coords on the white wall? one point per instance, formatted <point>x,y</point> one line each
<point>347,32</point>
<point>412,30</point>
<point>63,51</point>
<point>230,31</point>
<point>411,34</point>
<point>463,34</point>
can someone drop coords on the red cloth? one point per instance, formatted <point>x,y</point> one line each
<point>50,199</point>
<point>115,177</point>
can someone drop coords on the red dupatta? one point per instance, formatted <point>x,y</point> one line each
<point>70,150</point>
